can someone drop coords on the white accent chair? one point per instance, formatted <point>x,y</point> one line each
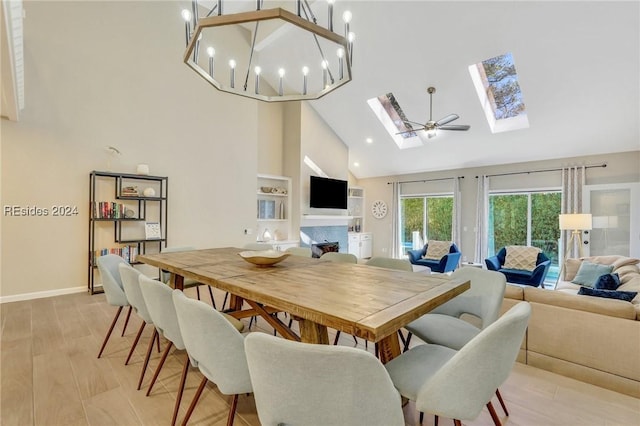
<point>299,251</point>
<point>113,290</point>
<point>458,384</point>
<point>131,285</point>
<point>258,246</point>
<point>216,347</point>
<point>307,385</point>
<point>444,326</point>
<point>334,256</point>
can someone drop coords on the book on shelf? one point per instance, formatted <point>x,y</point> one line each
<point>107,210</point>
<point>130,191</point>
<point>128,253</point>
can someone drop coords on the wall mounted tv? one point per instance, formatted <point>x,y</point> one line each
<point>326,193</point>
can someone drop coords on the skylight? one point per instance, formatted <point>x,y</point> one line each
<point>496,83</point>
<point>388,111</point>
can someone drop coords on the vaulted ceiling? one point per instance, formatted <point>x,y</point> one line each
<point>578,64</point>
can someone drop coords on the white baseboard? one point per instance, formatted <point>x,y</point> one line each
<point>41,294</point>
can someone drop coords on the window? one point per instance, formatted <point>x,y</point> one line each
<point>496,83</point>
<point>388,111</point>
<point>423,218</point>
<point>526,218</point>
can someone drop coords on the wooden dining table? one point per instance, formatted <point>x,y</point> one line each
<point>365,301</point>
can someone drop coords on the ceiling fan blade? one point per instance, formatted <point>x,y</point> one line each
<point>448,119</point>
<point>413,122</point>
<point>455,127</point>
<point>411,131</point>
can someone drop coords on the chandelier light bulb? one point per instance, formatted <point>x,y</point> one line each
<point>351,37</point>
<point>340,54</point>
<point>211,52</point>
<point>331,1</point>
<point>232,65</point>
<point>257,70</point>
<point>346,16</point>
<point>305,70</point>
<point>186,15</point>
<point>325,73</point>
<point>280,84</point>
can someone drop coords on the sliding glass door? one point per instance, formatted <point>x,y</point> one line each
<point>425,217</point>
<point>525,219</point>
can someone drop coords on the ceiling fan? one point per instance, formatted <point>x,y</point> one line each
<point>431,126</point>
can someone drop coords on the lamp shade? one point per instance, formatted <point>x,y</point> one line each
<point>575,221</point>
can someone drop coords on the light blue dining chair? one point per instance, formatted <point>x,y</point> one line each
<point>159,301</point>
<point>445,324</point>
<point>188,282</point>
<point>131,285</point>
<point>459,384</point>
<point>216,347</point>
<point>304,384</point>
<point>113,290</point>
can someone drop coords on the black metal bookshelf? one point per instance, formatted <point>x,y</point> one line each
<point>109,205</point>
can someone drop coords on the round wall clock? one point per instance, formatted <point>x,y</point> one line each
<point>379,209</point>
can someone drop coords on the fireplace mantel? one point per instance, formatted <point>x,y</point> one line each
<point>324,220</point>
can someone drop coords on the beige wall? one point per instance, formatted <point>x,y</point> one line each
<point>622,167</point>
<point>100,74</point>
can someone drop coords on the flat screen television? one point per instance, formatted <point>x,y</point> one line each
<point>326,193</point>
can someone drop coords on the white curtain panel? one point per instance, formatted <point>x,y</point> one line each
<point>573,179</point>
<point>482,217</point>
<point>457,212</point>
<point>396,250</point>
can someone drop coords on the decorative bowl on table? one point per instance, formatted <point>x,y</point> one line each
<point>263,257</point>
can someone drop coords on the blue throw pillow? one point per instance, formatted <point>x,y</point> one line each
<point>609,294</point>
<point>589,273</point>
<point>607,282</point>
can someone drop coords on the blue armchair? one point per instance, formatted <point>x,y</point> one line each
<point>518,276</point>
<point>447,263</point>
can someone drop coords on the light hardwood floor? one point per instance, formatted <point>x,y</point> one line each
<point>50,376</point>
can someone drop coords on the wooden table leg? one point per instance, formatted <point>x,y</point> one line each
<point>177,281</point>
<point>389,348</point>
<point>311,332</point>
<point>274,322</point>
<point>235,302</point>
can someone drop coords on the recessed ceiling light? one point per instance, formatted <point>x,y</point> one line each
<point>356,164</point>
<point>369,140</point>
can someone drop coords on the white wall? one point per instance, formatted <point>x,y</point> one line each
<point>111,73</point>
<point>622,167</point>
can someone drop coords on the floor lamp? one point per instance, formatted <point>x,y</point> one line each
<point>576,223</point>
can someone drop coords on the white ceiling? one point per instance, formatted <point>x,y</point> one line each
<point>578,65</point>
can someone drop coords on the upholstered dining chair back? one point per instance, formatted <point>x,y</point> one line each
<point>158,298</point>
<point>111,282</point>
<point>131,285</point>
<point>214,345</point>
<point>258,246</point>
<point>334,256</point>
<point>464,385</point>
<point>483,299</point>
<point>390,263</point>
<point>306,385</point>
<point>166,275</point>
<point>299,251</point>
